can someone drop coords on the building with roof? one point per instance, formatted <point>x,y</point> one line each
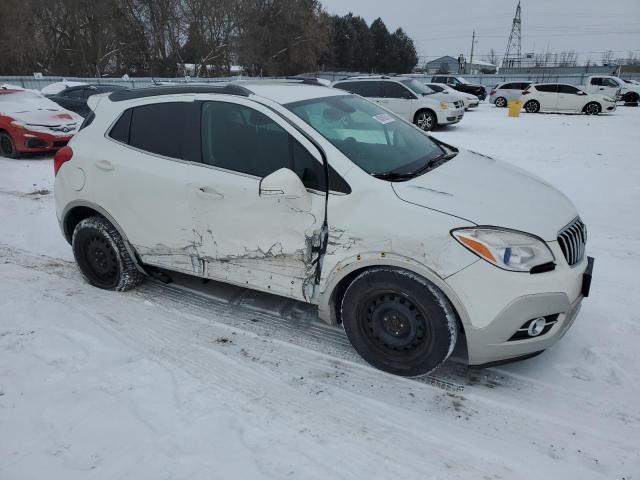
<point>448,64</point>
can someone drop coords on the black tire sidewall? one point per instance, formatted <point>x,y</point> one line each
<point>421,293</point>
<point>532,102</point>
<point>88,228</point>
<point>14,154</point>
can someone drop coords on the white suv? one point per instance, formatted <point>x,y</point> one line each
<point>322,196</point>
<point>407,98</point>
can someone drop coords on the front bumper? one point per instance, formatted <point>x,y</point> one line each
<point>498,303</point>
<point>450,116</point>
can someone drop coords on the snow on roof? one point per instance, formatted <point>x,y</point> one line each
<point>57,87</point>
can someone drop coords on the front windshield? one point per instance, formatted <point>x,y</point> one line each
<point>436,88</point>
<point>373,138</point>
<point>417,87</point>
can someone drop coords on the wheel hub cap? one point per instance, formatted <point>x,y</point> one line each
<point>394,322</point>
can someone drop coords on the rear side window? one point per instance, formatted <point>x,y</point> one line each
<point>547,88</point>
<point>596,81</point>
<point>567,89</point>
<point>506,86</point>
<point>120,131</point>
<point>169,129</point>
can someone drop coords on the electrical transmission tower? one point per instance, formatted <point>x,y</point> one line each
<point>513,54</point>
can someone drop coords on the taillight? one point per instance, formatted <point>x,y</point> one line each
<point>61,156</point>
<point>493,92</point>
<point>526,92</point>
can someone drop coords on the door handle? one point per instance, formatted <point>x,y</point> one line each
<point>105,165</point>
<point>209,193</point>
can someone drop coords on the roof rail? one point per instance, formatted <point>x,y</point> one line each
<point>133,93</point>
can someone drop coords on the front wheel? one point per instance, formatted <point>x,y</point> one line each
<point>399,322</point>
<point>425,120</point>
<point>102,257</point>
<point>7,146</point>
<point>592,108</point>
<point>532,106</point>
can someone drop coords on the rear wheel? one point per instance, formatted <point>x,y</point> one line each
<point>532,106</point>
<point>425,120</point>
<point>501,102</point>
<point>592,108</point>
<point>399,322</point>
<point>102,257</point>
<point>7,146</point>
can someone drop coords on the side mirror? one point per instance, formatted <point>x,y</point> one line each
<point>285,184</point>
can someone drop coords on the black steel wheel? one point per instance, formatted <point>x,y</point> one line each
<point>425,120</point>
<point>501,102</point>
<point>532,106</point>
<point>102,257</point>
<point>592,108</point>
<point>7,146</point>
<point>398,321</point>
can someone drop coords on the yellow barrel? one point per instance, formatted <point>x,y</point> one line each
<point>514,108</point>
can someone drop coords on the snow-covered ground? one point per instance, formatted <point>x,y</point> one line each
<point>165,383</point>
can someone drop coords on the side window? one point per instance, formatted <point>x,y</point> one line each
<point>370,89</point>
<point>120,131</point>
<point>159,128</point>
<point>568,89</point>
<point>551,88</point>
<point>438,80</point>
<point>395,90</point>
<point>349,87</point>
<point>524,86</point>
<point>453,81</point>
<point>610,82</point>
<point>596,81</point>
<point>241,139</point>
<point>507,86</point>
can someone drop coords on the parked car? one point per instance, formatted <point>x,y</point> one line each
<point>560,97</point>
<point>613,87</point>
<point>31,123</point>
<point>505,91</point>
<point>322,196</point>
<point>468,100</point>
<point>56,87</point>
<point>407,98</point>
<point>460,84</point>
<point>75,98</point>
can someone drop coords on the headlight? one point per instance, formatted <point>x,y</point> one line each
<point>18,124</point>
<point>506,249</point>
<point>444,105</point>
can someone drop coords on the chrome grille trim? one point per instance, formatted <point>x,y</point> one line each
<point>573,241</point>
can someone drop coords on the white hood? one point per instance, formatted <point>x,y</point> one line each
<point>485,191</point>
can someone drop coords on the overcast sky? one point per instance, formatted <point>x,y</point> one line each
<point>444,27</point>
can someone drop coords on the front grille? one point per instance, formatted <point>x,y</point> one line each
<point>459,104</point>
<point>573,241</point>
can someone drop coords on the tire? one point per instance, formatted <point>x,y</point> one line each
<point>102,257</point>
<point>501,102</point>
<point>399,322</point>
<point>592,108</point>
<point>425,120</point>
<point>7,146</point>
<point>532,106</point>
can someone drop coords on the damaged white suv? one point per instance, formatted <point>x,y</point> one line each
<point>322,196</point>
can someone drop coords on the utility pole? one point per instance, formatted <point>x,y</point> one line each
<point>473,42</point>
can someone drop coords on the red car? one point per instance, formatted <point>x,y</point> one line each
<point>31,123</point>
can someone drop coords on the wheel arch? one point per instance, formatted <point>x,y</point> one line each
<point>77,211</point>
<point>340,279</point>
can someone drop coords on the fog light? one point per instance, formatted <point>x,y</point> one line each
<point>536,327</point>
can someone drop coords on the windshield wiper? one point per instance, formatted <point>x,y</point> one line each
<point>434,162</point>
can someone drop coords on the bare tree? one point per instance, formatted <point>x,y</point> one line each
<point>492,57</point>
<point>607,58</point>
<point>568,58</point>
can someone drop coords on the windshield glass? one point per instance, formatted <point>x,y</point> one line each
<point>462,80</point>
<point>417,87</point>
<point>371,137</point>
